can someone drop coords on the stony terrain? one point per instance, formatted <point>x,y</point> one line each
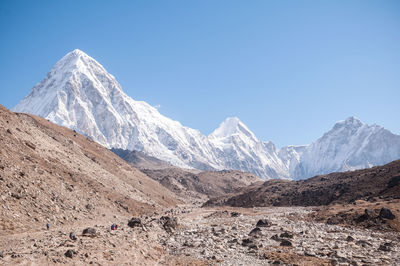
<point>347,187</point>
<point>206,236</point>
<point>231,237</point>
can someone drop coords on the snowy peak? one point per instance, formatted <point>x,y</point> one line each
<point>74,82</point>
<point>232,126</point>
<point>80,94</point>
<point>349,145</point>
<point>76,60</point>
<point>351,122</point>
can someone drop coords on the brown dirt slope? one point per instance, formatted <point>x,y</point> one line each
<point>52,174</point>
<point>381,181</point>
<point>202,185</point>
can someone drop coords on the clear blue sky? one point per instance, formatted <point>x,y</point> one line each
<point>287,69</point>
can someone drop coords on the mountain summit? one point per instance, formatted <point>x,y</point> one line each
<point>80,94</point>
<point>232,126</point>
<point>349,145</point>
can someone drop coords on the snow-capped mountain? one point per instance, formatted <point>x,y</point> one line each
<point>290,156</point>
<point>239,148</point>
<point>349,145</point>
<point>80,94</point>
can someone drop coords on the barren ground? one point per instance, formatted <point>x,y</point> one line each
<point>207,236</point>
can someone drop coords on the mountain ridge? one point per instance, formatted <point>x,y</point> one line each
<point>80,94</point>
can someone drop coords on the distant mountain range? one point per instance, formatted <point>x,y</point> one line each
<point>80,94</point>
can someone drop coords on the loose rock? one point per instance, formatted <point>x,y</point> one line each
<point>89,232</point>
<point>263,223</point>
<point>169,223</point>
<point>134,222</point>
<point>286,243</point>
<point>386,214</point>
<point>70,253</point>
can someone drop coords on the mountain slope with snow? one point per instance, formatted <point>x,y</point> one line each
<point>80,94</point>
<point>239,148</point>
<point>349,145</point>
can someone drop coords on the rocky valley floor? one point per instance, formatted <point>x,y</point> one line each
<point>206,236</point>
<point>50,174</point>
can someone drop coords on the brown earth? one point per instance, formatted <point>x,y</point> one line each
<point>200,186</point>
<point>190,184</point>
<point>381,181</point>
<point>52,174</point>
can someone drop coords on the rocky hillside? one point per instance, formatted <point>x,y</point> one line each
<point>201,186</point>
<point>189,183</point>
<point>346,187</point>
<point>52,174</point>
<point>140,160</point>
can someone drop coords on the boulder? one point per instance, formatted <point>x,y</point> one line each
<point>334,220</point>
<point>286,235</point>
<point>169,223</point>
<point>275,237</point>
<point>235,214</point>
<point>247,242</point>
<point>263,223</point>
<point>286,243</point>
<point>385,247</point>
<point>90,231</point>
<point>385,213</point>
<point>70,253</point>
<point>134,222</point>
<point>255,232</point>
<point>368,214</point>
